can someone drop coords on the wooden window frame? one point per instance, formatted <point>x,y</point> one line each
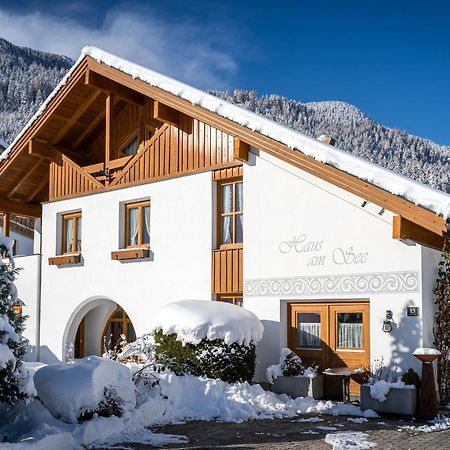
<point>234,214</point>
<point>141,223</point>
<point>234,296</point>
<point>76,216</point>
<point>125,320</point>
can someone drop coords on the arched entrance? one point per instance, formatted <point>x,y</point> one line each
<point>118,325</point>
<point>90,323</point>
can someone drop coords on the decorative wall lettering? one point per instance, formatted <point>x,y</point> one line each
<point>338,256</point>
<point>362,283</point>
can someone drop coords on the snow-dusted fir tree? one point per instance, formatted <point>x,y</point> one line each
<point>12,344</point>
<point>442,323</point>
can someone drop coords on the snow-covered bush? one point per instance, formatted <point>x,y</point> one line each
<point>214,339</point>
<point>290,365</point>
<point>12,344</point>
<point>92,385</point>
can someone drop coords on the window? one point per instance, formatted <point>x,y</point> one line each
<point>137,224</point>
<point>118,324</point>
<point>234,299</point>
<point>71,233</point>
<point>131,148</point>
<point>230,212</point>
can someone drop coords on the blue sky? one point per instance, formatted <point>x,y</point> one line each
<point>391,59</point>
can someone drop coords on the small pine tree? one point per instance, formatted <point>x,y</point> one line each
<point>13,345</point>
<point>442,323</point>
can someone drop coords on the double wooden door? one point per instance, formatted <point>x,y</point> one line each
<point>331,335</point>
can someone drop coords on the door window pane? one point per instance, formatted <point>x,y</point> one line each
<point>239,197</point>
<point>309,330</point>
<point>350,330</point>
<point>239,228</point>
<point>227,230</point>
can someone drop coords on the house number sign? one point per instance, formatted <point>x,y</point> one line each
<point>412,311</point>
<point>317,254</point>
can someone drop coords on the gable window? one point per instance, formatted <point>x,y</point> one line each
<point>131,148</point>
<point>71,233</point>
<point>230,212</point>
<point>137,224</point>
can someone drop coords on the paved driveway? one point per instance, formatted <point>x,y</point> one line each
<point>296,434</point>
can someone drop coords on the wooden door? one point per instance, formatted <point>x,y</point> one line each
<point>309,333</point>
<point>349,339</point>
<point>344,338</point>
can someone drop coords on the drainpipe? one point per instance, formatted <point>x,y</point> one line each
<point>38,252</point>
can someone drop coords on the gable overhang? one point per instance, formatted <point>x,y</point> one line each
<point>104,78</point>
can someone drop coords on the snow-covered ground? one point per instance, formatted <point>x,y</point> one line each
<point>160,399</point>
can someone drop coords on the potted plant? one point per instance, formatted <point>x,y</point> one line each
<point>291,377</point>
<point>386,393</point>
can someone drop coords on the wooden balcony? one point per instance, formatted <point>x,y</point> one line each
<point>227,271</point>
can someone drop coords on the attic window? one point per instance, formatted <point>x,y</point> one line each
<point>131,148</point>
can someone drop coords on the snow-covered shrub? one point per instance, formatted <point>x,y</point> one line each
<point>92,385</point>
<point>214,359</point>
<point>290,365</point>
<point>207,338</point>
<point>411,378</point>
<point>12,343</point>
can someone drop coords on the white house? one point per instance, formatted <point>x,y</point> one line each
<point>149,191</point>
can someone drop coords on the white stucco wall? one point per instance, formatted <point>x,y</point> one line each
<point>283,203</point>
<point>28,288</point>
<point>179,267</point>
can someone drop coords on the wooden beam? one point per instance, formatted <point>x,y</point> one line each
<point>20,208</point>
<point>109,86</point>
<point>44,150</point>
<point>76,115</point>
<point>6,223</point>
<point>23,178</point>
<point>405,230</point>
<point>241,150</point>
<point>90,129</point>
<point>109,140</point>
<point>38,188</point>
<point>166,114</point>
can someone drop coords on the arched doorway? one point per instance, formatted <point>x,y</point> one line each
<point>118,325</point>
<point>90,322</point>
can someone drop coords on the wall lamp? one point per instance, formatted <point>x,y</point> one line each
<point>387,323</point>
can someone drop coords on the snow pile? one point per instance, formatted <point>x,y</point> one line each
<point>357,420</point>
<point>289,362</point>
<point>349,440</point>
<point>194,320</point>
<point>426,351</point>
<point>380,389</point>
<point>8,243</point>
<point>438,424</point>
<point>72,389</point>
<point>201,398</point>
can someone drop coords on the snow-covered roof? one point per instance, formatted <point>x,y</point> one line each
<point>397,184</point>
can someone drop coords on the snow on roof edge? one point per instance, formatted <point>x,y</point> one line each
<point>397,184</point>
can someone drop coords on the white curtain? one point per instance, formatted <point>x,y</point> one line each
<point>350,335</point>
<point>239,197</point>
<point>69,236</point>
<point>147,224</point>
<point>309,335</point>
<point>133,226</point>
<point>79,234</point>
<point>227,206</point>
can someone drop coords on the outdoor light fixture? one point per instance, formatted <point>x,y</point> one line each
<point>381,212</point>
<point>387,323</point>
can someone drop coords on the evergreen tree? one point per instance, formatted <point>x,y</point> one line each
<point>442,324</point>
<point>12,344</point>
